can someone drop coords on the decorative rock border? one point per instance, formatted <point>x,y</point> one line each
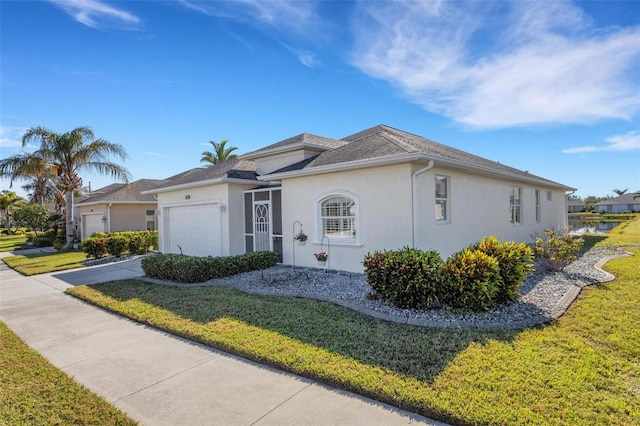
<point>247,283</point>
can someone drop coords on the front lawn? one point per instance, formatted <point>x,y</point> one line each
<point>41,263</point>
<point>34,392</point>
<point>582,369</point>
<point>13,242</point>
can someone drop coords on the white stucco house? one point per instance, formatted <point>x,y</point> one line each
<point>381,188</point>
<point>117,207</point>
<point>626,203</point>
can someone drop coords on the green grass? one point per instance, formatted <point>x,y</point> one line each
<point>582,369</point>
<point>34,392</point>
<point>41,263</point>
<point>13,242</point>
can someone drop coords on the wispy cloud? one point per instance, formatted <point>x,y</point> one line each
<point>11,137</point>
<point>98,14</point>
<point>294,16</point>
<point>627,142</point>
<point>154,154</point>
<point>306,57</point>
<point>503,64</point>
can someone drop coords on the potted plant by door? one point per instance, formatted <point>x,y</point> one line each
<point>301,237</point>
<point>321,258</point>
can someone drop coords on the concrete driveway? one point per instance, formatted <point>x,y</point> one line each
<point>160,379</point>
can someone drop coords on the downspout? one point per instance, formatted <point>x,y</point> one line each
<point>414,199</point>
<point>109,217</point>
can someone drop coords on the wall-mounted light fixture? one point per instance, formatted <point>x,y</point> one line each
<point>104,219</point>
<point>187,197</point>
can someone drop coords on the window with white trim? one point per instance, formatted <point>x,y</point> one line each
<point>538,216</point>
<point>515,205</point>
<point>442,198</point>
<point>549,195</point>
<point>338,214</point>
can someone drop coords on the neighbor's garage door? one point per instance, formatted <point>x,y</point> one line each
<point>92,223</point>
<point>195,229</point>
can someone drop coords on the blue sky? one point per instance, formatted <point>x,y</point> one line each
<point>548,87</point>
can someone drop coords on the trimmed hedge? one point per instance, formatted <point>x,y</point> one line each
<point>408,278</point>
<point>193,269</point>
<point>118,243</point>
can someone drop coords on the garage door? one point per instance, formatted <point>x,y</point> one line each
<point>196,230</point>
<point>92,223</point>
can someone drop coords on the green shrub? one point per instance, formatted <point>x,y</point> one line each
<point>471,280</point>
<point>30,236</point>
<point>555,251</point>
<point>192,269</point>
<point>116,244</point>
<point>515,261</point>
<point>44,239</point>
<point>95,247</point>
<point>139,242</point>
<point>408,278</point>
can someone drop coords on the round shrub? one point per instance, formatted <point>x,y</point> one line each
<point>408,278</point>
<point>555,250</point>
<point>470,280</point>
<point>515,261</point>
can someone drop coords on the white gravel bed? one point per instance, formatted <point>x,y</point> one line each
<point>544,295</point>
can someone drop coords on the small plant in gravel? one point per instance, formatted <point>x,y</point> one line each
<point>556,250</point>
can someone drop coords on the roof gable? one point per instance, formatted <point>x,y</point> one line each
<point>122,193</point>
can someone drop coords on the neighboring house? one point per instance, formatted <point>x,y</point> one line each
<point>622,204</point>
<point>575,206</point>
<point>379,189</point>
<point>117,207</point>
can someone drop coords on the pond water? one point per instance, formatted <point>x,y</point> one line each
<point>581,225</point>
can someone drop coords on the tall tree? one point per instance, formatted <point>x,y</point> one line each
<point>620,191</point>
<point>8,201</point>
<point>219,154</point>
<point>35,171</point>
<point>71,153</point>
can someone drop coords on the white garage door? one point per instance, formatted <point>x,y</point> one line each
<point>195,229</point>
<point>92,223</point>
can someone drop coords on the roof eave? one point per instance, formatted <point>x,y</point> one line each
<point>201,183</point>
<point>414,157</point>
<point>283,149</point>
<point>94,203</point>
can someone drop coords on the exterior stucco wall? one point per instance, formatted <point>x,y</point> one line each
<point>384,203</point>
<point>277,161</point>
<point>129,217</point>
<point>480,206</point>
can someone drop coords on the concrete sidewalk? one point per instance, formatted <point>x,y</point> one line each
<point>160,379</point>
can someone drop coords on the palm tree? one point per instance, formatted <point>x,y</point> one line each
<point>621,192</point>
<point>72,152</point>
<point>35,170</point>
<point>8,201</point>
<point>219,154</point>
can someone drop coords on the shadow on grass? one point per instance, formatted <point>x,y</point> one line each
<point>418,352</point>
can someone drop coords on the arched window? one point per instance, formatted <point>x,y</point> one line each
<point>338,218</point>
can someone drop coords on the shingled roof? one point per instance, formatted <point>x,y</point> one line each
<point>122,193</point>
<point>303,139</point>
<point>383,141</point>
<point>235,168</point>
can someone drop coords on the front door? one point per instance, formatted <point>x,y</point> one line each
<point>261,226</point>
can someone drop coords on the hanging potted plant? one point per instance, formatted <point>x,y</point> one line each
<point>301,237</point>
<point>321,258</point>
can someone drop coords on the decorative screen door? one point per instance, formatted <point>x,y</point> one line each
<point>261,228</point>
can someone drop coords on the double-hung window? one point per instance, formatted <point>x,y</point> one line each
<point>442,198</point>
<point>515,206</point>
<point>151,220</point>
<point>338,214</point>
